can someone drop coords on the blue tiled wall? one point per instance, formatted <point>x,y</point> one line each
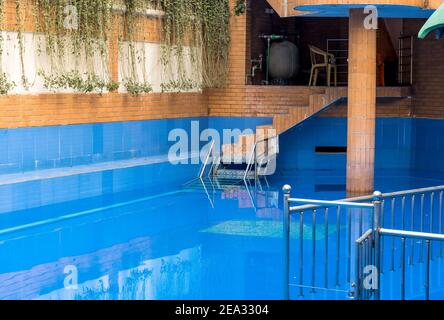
<point>394,140</point>
<point>429,146</point>
<point>26,149</point>
<point>30,149</point>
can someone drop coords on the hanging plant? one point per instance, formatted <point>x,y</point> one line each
<point>136,88</point>
<point>76,42</point>
<point>5,85</point>
<point>21,42</point>
<point>133,83</point>
<point>85,83</point>
<point>195,42</point>
<point>240,7</point>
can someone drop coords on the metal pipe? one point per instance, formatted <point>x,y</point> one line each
<point>381,224</point>
<point>338,242</point>
<point>313,274</point>
<point>402,268</point>
<point>377,207</point>
<point>403,213</point>
<point>427,271</point>
<point>412,248</point>
<point>364,236</point>
<point>357,283</point>
<point>421,228</point>
<point>286,226</point>
<point>384,195</point>
<point>204,165</point>
<point>392,264</point>
<point>255,170</point>
<point>432,197</point>
<point>349,241</point>
<point>440,222</point>
<point>325,203</point>
<point>301,252</point>
<point>326,249</point>
<point>411,234</point>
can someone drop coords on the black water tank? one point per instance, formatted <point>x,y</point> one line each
<point>284,60</point>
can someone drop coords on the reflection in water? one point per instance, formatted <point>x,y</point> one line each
<point>162,278</point>
<point>171,247</point>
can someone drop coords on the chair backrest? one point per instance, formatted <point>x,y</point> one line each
<point>316,52</point>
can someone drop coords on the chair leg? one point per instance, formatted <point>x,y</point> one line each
<point>328,74</point>
<point>315,79</point>
<point>311,77</point>
<point>335,70</point>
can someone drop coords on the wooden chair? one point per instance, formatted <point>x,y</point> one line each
<point>319,60</point>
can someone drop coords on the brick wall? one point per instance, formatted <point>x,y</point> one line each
<point>428,73</point>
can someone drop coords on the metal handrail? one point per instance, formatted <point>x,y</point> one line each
<point>370,245</point>
<point>253,156</point>
<point>204,165</point>
<point>326,203</point>
<point>411,234</point>
<point>370,197</point>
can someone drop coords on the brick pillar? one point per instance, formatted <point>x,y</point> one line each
<point>361,105</point>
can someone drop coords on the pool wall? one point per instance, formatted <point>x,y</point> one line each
<point>36,148</point>
<point>43,165</point>
<point>401,143</point>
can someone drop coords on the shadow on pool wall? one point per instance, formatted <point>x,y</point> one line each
<point>404,144</point>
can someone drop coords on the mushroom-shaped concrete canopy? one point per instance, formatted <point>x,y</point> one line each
<point>434,23</point>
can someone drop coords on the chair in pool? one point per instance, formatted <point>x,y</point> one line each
<point>320,60</point>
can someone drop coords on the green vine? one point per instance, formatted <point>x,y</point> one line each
<point>195,32</point>
<point>240,7</point>
<point>195,42</point>
<point>135,88</point>
<point>78,29</point>
<point>20,38</point>
<point>133,83</point>
<point>5,85</point>
<point>74,80</point>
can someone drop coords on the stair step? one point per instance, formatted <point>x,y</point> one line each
<point>227,173</point>
<point>212,184</point>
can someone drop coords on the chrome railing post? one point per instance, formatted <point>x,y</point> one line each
<point>427,271</point>
<point>255,166</point>
<point>377,199</point>
<point>357,283</point>
<point>286,234</point>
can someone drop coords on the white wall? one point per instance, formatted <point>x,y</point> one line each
<point>34,61</point>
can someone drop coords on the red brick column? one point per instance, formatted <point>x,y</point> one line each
<point>361,105</point>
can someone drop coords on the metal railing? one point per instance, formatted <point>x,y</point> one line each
<point>259,159</point>
<point>207,158</point>
<point>404,215</point>
<point>339,48</point>
<point>405,60</point>
<point>314,208</point>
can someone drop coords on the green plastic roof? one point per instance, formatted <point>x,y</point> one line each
<point>434,23</point>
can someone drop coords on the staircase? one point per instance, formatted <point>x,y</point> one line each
<point>253,155</point>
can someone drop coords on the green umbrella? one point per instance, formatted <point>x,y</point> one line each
<point>434,23</point>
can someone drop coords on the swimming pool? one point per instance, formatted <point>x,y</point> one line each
<point>178,240</point>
